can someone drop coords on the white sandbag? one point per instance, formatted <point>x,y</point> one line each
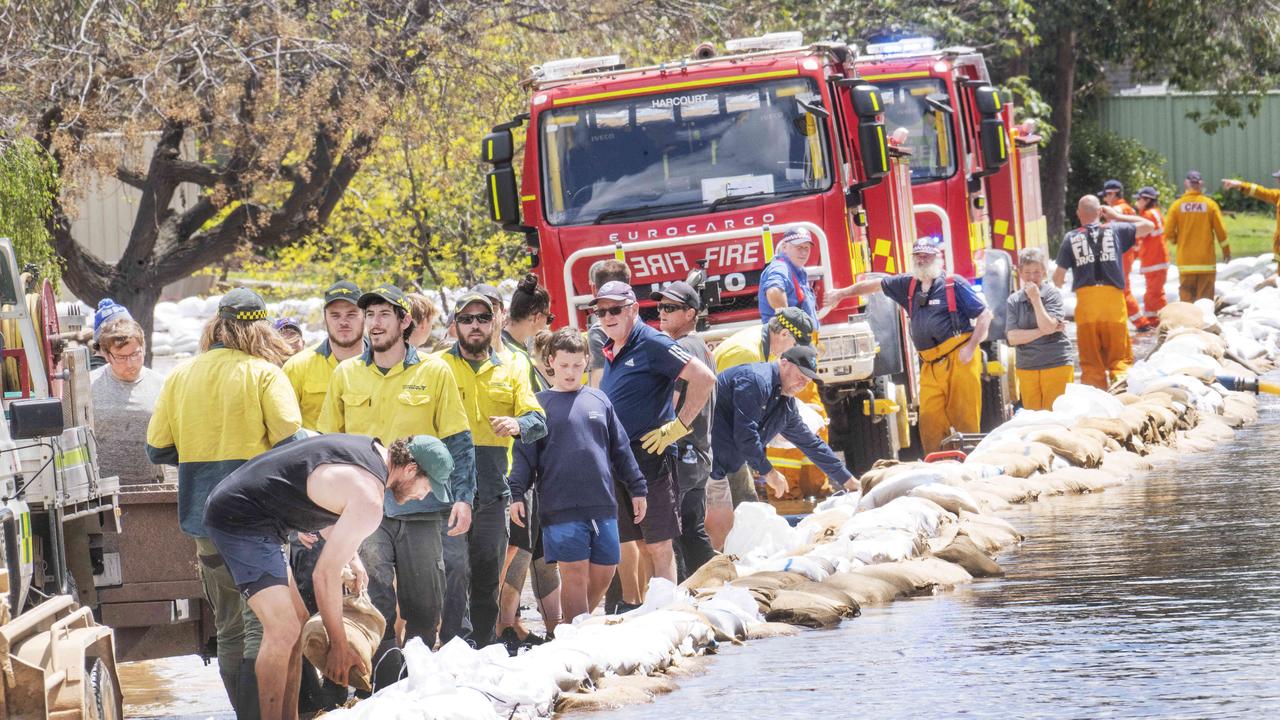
<point>758,531</point>
<point>951,499</point>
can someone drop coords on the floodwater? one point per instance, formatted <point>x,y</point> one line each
<point>1160,598</point>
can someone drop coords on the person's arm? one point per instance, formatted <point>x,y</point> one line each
<point>1065,261</point>
<point>776,297</point>
<point>1220,231</point>
<point>700,382</point>
<point>980,327</point>
<point>360,517</point>
<point>1172,220</point>
<point>280,409</point>
<point>1142,226</point>
<point>819,453</point>
<point>1257,192</point>
<point>621,458</point>
<point>161,447</point>
<point>1059,276</point>
<point>864,287</point>
<point>1017,336</point>
<point>747,398</point>
<point>524,460</point>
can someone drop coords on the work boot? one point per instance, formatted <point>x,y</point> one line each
<point>247,692</point>
<point>510,641</point>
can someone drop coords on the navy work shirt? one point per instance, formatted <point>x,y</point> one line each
<point>640,378</point>
<point>931,323</point>
<point>750,411</point>
<point>791,280</point>
<point>1092,253</point>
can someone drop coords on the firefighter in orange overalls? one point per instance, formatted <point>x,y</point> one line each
<point>1266,195</point>
<point>1113,195</point>
<point>1153,258</point>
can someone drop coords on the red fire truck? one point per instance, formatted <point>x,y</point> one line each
<point>698,164</point>
<point>967,192</point>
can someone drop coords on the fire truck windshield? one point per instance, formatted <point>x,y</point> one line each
<point>669,154</point>
<point>924,109</point>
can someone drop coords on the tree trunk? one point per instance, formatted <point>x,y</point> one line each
<point>1058,152</point>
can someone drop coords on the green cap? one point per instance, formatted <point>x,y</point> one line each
<point>387,293</point>
<point>433,458</point>
<point>242,304</point>
<point>795,321</point>
<point>471,297</point>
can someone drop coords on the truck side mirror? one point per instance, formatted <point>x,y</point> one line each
<point>35,417</point>
<point>503,195</point>
<point>875,149</point>
<point>866,100</point>
<point>987,99</point>
<point>497,148</point>
<point>994,146</point>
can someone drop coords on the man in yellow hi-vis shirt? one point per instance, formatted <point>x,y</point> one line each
<point>1266,195</point>
<point>1193,223</point>
<point>309,371</point>
<point>215,412</point>
<point>389,392</point>
<point>499,405</point>
<point>761,343</point>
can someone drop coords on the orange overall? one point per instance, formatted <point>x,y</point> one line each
<point>1126,262</point>
<point>1154,259</point>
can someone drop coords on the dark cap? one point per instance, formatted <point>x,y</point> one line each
<point>469,298</point>
<point>242,304</point>
<point>1149,192</point>
<point>490,292</point>
<point>614,290</point>
<point>804,357</point>
<point>434,460</point>
<point>1112,184</point>
<point>341,290</point>
<point>386,293</point>
<point>927,245</point>
<point>795,321</point>
<point>1194,176</point>
<point>287,322</point>
<point>681,292</point>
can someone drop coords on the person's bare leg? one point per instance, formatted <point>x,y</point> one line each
<point>295,659</point>
<point>645,572</point>
<point>281,630</point>
<point>514,572</point>
<point>718,524</point>
<point>663,557</point>
<point>573,589</point>
<point>629,573</point>
<point>598,579</point>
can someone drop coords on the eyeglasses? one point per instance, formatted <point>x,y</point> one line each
<point>551,318</point>
<point>672,307</point>
<point>615,310</point>
<point>481,318</point>
<point>134,356</point>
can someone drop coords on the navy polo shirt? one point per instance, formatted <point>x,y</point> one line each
<point>641,378</point>
<point>931,323</point>
<point>1092,253</point>
<point>781,274</point>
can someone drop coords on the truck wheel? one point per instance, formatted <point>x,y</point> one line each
<point>866,439</point>
<point>100,692</point>
<point>996,407</point>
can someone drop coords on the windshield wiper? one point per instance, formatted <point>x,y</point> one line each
<point>622,213</point>
<point>728,200</point>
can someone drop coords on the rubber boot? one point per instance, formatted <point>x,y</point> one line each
<point>247,692</point>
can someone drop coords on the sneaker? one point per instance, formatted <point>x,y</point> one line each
<point>510,641</point>
<point>532,639</point>
<point>624,607</point>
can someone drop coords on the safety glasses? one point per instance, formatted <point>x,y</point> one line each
<point>671,307</point>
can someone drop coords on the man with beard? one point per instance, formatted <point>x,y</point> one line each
<point>309,371</point>
<point>498,404</point>
<point>949,319</point>
<point>334,485</point>
<point>391,391</point>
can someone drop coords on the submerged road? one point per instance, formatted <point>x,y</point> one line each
<point>1160,598</point>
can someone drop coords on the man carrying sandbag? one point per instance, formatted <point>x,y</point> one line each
<point>333,485</point>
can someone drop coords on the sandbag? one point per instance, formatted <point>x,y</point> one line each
<point>988,532</point>
<point>967,555</point>
<point>1076,447</point>
<point>1114,428</point>
<point>805,609</point>
<point>1015,465</point>
<point>1125,462</point>
<point>1180,315</point>
<point>865,589</point>
<point>364,627</point>
<point>715,572</point>
<point>756,631</point>
<point>918,576</point>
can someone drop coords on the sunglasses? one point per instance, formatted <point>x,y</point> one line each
<point>615,310</point>
<point>551,318</point>
<point>672,307</point>
<point>483,318</point>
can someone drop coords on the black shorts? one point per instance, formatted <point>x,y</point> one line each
<point>520,536</point>
<point>662,518</point>
<point>255,561</point>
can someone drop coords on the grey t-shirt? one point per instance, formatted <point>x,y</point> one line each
<point>596,340</point>
<point>121,412</point>
<point>1043,352</point>
<point>695,448</point>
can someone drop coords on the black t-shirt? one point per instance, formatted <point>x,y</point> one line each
<point>268,494</point>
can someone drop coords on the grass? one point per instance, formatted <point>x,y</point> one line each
<point>1249,233</point>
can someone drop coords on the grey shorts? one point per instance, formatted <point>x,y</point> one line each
<point>256,561</point>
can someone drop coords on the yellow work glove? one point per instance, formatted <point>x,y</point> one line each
<point>656,441</point>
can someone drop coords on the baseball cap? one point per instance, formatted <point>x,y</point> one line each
<point>469,298</point>
<point>287,322</point>
<point>490,292</point>
<point>433,458</point>
<point>386,293</point>
<point>1194,176</point>
<point>341,290</point>
<point>795,321</point>
<point>679,291</point>
<point>614,290</point>
<point>108,309</point>
<point>1276,174</point>
<point>804,357</point>
<point>1149,192</point>
<point>242,304</point>
<point>927,244</point>
<point>798,234</point>
<point>1112,184</point>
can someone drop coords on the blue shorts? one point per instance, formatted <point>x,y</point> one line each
<point>576,540</point>
<point>256,562</point>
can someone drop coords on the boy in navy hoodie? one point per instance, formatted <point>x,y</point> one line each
<point>573,468</point>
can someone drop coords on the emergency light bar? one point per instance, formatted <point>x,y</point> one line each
<point>904,46</point>
<point>768,41</point>
<point>568,67</point>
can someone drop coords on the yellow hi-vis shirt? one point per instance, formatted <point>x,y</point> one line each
<point>1193,222</point>
<point>215,412</point>
<point>1267,195</point>
<point>743,347</point>
<point>309,372</point>
<point>500,387</point>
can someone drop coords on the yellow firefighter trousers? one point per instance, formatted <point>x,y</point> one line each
<point>950,392</point>
<point>1102,335</point>
<point>1039,388</point>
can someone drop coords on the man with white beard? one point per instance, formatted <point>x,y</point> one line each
<point>949,320</point>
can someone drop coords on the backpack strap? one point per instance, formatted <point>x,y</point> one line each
<point>952,312</point>
<point>911,294</point>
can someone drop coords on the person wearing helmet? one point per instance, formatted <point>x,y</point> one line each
<point>1153,257</point>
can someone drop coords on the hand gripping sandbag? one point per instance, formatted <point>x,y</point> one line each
<point>364,626</point>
